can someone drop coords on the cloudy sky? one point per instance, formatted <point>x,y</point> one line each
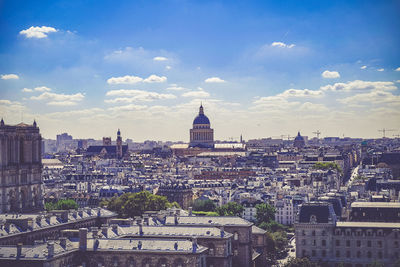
<point>261,69</point>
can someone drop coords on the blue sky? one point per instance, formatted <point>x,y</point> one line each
<point>261,68</point>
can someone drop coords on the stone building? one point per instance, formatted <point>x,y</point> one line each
<point>21,168</point>
<point>180,193</point>
<point>107,150</point>
<point>299,141</point>
<point>201,135</point>
<point>320,237</point>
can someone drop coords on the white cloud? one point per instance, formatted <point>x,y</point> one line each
<point>9,77</point>
<point>358,85</point>
<point>283,45</point>
<point>373,97</point>
<point>330,74</point>
<point>300,93</point>
<point>311,107</point>
<point>62,99</point>
<point>37,32</point>
<point>155,79</point>
<point>130,107</point>
<point>129,96</point>
<point>199,94</point>
<point>160,59</point>
<point>62,103</point>
<point>124,80</point>
<point>42,89</point>
<point>168,67</point>
<point>174,87</point>
<point>27,90</point>
<point>214,80</point>
<point>363,67</point>
<point>380,69</point>
<point>398,69</point>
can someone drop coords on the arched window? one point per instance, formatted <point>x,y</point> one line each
<point>146,262</point>
<point>211,249</point>
<point>115,262</point>
<point>130,262</point>
<point>235,236</point>
<point>162,262</point>
<point>178,263</point>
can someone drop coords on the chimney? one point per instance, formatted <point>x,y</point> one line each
<point>104,229</point>
<point>176,219</point>
<point>63,242</point>
<point>19,250</point>
<point>145,220</point>
<point>80,212</point>
<point>176,245</point>
<point>83,238</point>
<point>39,220</point>
<point>194,244</point>
<point>94,231</point>
<point>140,229</point>
<point>50,249</point>
<point>190,211</point>
<point>139,245</point>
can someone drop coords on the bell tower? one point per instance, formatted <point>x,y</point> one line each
<point>119,145</point>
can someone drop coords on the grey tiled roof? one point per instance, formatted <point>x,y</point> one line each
<point>207,220</point>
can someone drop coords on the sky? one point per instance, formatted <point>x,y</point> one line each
<point>260,68</point>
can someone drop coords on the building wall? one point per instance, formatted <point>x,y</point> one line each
<point>21,168</point>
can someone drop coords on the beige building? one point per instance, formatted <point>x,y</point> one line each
<point>21,168</point>
<point>320,237</point>
<point>201,135</point>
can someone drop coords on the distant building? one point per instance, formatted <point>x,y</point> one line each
<point>21,175</point>
<point>299,141</point>
<point>179,193</point>
<point>107,150</point>
<point>201,135</point>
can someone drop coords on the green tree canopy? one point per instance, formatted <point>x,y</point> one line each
<point>230,209</point>
<point>135,204</point>
<point>327,166</point>
<point>265,213</point>
<point>300,262</point>
<point>62,204</point>
<point>204,205</point>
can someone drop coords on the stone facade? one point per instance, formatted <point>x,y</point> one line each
<point>21,168</point>
<point>201,135</point>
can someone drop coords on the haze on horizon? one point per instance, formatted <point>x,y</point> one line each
<point>261,69</point>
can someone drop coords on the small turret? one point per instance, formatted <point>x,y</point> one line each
<point>2,122</point>
<point>34,123</point>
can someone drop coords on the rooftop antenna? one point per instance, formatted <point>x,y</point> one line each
<point>386,130</point>
<point>317,133</point>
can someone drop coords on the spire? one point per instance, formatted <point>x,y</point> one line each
<point>298,133</point>
<point>119,132</point>
<point>34,123</point>
<point>201,111</point>
<point>2,122</point>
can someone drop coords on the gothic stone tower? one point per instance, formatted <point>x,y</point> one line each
<point>21,168</point>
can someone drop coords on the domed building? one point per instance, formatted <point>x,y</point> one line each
<point>201,135</point>
<point>299,141</point>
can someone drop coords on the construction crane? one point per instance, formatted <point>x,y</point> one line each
<point>386,130</point>
<point>317,133</point>
<point>397,135</point>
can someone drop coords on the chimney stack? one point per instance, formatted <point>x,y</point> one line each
<point>190,211</point>
<point>222,231</point>
<point>104,229</point>
<point>115,228</point>
<point>19,250</point>
<point>83,238</point>
<point>194,244</point>
<point>50,249</point>
<point>176,219</point>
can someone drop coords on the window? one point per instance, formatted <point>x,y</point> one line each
<point>358,254</point>
<point>303,233</point>
<point>380,254</point>
<point>348,254</point>
<point>379,244</point>
<point>369,243</point>
<point>235,252</point>
<point>313,253</point>
<point>337,242</point>
<point>324,243</point>
<point>235,236</point>
<point>303,253</point>
<point>314,242</point>
<point>337,253</point>
<point>323,233</point>
<point>369,254</point>
<point>347,243</point>
<point>358,243</point>
<point>396,244</point>
<point>313,233</point>
<point>323,253</point>
<point>303,241</point>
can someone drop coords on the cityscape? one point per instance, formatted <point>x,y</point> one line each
<point>183,133</point>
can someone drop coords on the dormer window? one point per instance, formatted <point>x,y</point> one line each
<point>313,219</point>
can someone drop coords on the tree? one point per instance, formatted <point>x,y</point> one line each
<point>62,204</point>
<point>204,205</point>
<point>230,209</point>
<point>327,166</point>
<point>135,204</point>
<point>272,226</point>
<point>265,213</point>
<point>300,262</point>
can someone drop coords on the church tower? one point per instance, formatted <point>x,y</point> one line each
<point>119,145</point>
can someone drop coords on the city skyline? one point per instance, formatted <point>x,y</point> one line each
<point>260,69</point>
